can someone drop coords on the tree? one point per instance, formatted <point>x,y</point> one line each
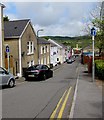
<point>6,18</point>
<point>98,22</point>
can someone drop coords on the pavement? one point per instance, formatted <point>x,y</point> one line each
<point>88,97</point>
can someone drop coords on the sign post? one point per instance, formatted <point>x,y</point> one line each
<point>93,33</point>
<point>7,51</point>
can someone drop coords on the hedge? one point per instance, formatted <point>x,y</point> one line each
<point>99,69</point>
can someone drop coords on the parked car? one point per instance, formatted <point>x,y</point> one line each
<point>39,72</point>
<point>69,61</point>
<point>6,78</point>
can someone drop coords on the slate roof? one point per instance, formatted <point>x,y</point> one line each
<point>14,29</point>
<point>43,41</point>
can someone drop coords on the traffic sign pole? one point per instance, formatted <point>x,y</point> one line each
<point>93,64</point>
<point>93,33</point>
<point>8,60</point>
<point>7,51</point>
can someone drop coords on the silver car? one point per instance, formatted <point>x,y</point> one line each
<point>6,78</point>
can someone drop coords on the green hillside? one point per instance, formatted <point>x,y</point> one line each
<point>82,41</point>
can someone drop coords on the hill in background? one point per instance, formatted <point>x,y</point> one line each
<point>82,41</point>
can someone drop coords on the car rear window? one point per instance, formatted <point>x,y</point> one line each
<point>34,67</point>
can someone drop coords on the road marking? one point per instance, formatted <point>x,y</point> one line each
<point>74,98</point>
<point>64,103</point>
<point>54,112</point>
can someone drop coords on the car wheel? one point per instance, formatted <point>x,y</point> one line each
<point>26,79</point>
<point>44,76</point>
<point>11,83</point>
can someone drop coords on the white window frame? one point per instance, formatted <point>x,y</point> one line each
<point>30,63</point>
<point>41,49</point>
<point>30,47</point>
<point>44,49</point>
<point>47,48</point>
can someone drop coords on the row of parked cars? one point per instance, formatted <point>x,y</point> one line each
<point>35,72</point>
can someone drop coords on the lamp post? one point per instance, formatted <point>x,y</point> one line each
<point>38,32</point>
<point>38,43</point>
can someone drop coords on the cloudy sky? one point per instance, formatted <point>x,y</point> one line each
<point>56,18</point>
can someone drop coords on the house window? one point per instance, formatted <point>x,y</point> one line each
<point>41,50</point>
<point>45,60</point>
<point>57,59</point>
<point>30,63</point>
<point>44,49</point>
<point>30,47</point>
<point>47,48</point>
<point>27,47</point>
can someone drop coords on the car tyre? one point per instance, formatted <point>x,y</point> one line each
<point>26,79</point>
<point>11,83</point>
<point>44,77</point>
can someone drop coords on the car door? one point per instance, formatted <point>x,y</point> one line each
<point>46,71</point>
<point>4,76</point>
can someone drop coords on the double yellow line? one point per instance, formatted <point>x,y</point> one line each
<point>65,98</point>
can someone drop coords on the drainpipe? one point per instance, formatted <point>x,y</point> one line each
<point>20,59</point>
<point>1,35</point>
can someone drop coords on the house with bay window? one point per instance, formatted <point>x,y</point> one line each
<point>20,36</point>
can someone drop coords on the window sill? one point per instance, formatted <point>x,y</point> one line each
<point>30,53</point>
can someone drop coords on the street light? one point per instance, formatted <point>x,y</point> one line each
<point>38,43</point>
<point>39,31</point>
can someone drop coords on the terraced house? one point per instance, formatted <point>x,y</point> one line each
<point>21,39</point>
<point>44,51</point>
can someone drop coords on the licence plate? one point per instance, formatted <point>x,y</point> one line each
<point>30,75</point>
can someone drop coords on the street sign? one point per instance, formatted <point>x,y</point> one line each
<point>93,31</point>
<point>7,49</point>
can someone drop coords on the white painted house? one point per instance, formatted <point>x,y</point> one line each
<point>57,55</point>
<point>53,54</point>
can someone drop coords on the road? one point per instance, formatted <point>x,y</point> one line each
<point>51,98</point>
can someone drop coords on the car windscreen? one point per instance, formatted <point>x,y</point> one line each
<point>34,67</point>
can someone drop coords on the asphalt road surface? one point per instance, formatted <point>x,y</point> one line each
<point>51,98</point>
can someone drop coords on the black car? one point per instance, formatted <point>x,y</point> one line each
<point>38,72</point>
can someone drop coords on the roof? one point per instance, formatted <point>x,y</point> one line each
<point>14,29</point>
<point>43,41</point>
<point>56,43</point>
<point>53,45</point>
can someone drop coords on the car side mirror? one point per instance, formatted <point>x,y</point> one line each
<point>6,72</point>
